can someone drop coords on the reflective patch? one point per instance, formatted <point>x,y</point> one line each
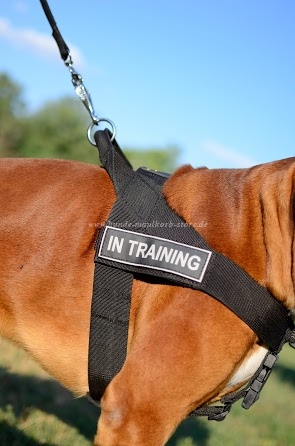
<point>156,253</point>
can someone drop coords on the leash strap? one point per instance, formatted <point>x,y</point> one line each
<point>139,201</point>
<point>62,46</point>
<point>77,80</point>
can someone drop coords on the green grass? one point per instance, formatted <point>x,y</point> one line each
<point>35,410</point>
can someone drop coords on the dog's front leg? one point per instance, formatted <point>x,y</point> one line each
<point>181,355</point>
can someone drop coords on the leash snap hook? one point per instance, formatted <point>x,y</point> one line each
<point>81,91</point>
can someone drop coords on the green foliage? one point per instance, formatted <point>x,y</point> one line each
<point>58,130</point>
<point>11,109</point>
<point>158,159</point>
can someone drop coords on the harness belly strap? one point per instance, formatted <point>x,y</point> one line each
<point>141,233</point>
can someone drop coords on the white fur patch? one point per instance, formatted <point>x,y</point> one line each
<point>247,368</point>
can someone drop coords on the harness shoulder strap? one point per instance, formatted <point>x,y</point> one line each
<point>111,290</point>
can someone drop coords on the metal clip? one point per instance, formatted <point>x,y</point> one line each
<point>82,93</point>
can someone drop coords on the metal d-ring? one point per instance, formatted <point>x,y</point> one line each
<point>94,124</point>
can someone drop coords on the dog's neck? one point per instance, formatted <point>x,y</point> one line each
<point>252,219</point>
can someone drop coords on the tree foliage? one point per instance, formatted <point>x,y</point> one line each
<point>156,158</point>
<point>58,130</point>
<point>11,110</point>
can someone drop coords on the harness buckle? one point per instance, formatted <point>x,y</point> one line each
<point>253,392</point>
<point>220,416</point>
<point>292,339</point>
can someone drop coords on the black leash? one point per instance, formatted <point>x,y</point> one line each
<point>77,80</point>
<point>62,46</point>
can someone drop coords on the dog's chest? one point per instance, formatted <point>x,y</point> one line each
<point>247,368</point>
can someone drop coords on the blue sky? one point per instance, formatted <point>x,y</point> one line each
<point>214,77</point>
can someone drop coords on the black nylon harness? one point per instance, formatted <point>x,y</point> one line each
<point>128,236</point>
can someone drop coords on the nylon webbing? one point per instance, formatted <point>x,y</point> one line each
<point>110,306</point>
<point>62,46</point>
<point>140,200</point>
<point>109,326</point>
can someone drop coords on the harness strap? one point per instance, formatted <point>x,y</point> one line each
<point>139,201</point>
<point>111,297</point>
<point>109,326</point>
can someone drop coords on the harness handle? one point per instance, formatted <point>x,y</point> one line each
<point>113,160</point>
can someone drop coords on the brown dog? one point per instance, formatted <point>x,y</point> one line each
<point>184,347</point>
